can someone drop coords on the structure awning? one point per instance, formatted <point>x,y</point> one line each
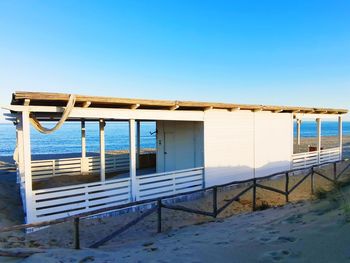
<point>60,100</point>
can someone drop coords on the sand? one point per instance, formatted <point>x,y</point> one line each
<point>305,231</point>
<point>302,231</point>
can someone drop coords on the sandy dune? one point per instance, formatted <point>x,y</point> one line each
<point>316,231</point>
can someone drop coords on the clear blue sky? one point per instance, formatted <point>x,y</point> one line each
<point>265,52</point>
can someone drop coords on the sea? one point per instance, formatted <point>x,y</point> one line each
<point>68,138</point>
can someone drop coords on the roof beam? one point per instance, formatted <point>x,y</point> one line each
<point>175,107</point>
<point>234,109</point>
<point>86,104</point>
<point>277,111</point>
<point>26,102</point>
<point>208,108</point>
<point>134,106</point>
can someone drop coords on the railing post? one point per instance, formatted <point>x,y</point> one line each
<point>312,180</point>
<point>287,187</point>
<point>254,195</point>
<point>335,172</point>
<point>159,215</point>
<point>215,201</point>
<point>76,233</point>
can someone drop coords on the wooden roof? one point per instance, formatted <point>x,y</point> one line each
<point>60,99</point>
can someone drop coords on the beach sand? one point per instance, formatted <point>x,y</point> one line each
<point>291,233</point>
<point>301,231</point>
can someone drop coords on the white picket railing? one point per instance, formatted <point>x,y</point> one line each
<point>59,202</point>
<point>161,184</point>
<point>307,159</point>
<point>75,166</point>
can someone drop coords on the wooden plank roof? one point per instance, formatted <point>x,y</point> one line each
<point>60,99</point>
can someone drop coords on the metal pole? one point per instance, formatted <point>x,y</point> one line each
<point>335,172</point>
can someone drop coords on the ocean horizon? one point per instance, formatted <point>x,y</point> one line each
<point>68,140</point>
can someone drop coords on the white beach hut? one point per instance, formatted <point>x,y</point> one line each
<point>197,144</point>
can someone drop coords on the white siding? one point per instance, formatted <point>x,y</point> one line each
<point>237,142</point>
<point>184,145</point>
<point>273,142</point>
<point>228,146</point>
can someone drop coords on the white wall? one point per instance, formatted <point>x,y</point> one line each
<point>183,142</point>
<point>273,142</point>
<point>236,142</point>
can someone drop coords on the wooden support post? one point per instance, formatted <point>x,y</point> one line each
<point>20,162</point>
<point>287,187</point>
<point>318,120</point>
<point>76,233</point>
<point>159,215</point>
<point>83,140</point>
<point>132,163</point>
<point>138,143</point>
<point>254,195</point>
<point>312,181</point>
<point>298,130</point>
<point>340,137</point>
<point>27,167</point>
<point>215,201</point>
<point>102,151</point>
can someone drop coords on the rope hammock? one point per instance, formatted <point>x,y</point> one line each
<point>70,105</point>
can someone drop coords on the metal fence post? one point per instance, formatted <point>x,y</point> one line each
<point>159,214</point>
<point>76,233</point>
<point>215,201</point>
<point>287,187</point>
<point>335,172</point>
<point>254,195</point>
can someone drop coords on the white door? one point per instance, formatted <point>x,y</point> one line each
<point>169,152</point>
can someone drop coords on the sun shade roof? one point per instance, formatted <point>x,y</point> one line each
<point>60,99</point>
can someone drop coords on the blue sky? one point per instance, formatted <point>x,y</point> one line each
<point>264,52</point>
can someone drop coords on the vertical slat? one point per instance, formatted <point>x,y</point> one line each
<point>318,120</point>
<point>138,142</point>
<point>132,164</point>
<point>83,139</point>
<point>102,151</point>
<point>340,137</point>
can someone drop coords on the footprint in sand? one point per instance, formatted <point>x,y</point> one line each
<point>286,239</point>
<point>275,256</point>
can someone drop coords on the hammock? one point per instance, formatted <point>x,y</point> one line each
<point>36,124</point>
<point>70,105</point>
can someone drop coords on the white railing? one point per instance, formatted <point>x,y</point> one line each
<point>307,159</point>
<point>162,184</point>
<point>59,202</point>
<point>76,166</point>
